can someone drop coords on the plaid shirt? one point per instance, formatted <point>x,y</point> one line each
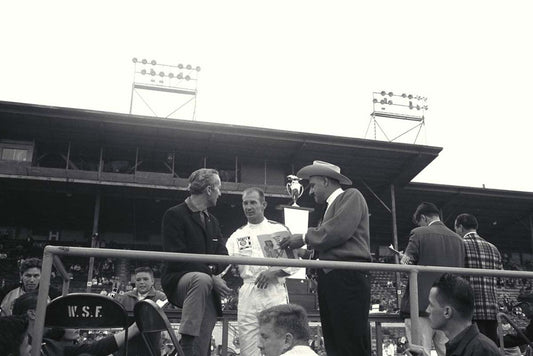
<point>482,254</point>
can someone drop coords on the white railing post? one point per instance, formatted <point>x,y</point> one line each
<point>42,298</point>
<point>413,307</point>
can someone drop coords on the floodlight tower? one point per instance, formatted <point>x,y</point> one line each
<point>408,109</point>
<point>157,85</point>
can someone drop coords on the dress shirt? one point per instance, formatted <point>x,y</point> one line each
<point>300,350</point>
<point>329,200</point>
<point>332,198</point>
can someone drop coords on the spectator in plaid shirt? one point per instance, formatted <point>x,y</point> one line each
<point>481,254</point>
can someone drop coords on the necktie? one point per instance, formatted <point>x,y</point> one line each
<point>204,218</point>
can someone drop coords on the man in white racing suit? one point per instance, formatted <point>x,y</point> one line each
<point>263,286</point>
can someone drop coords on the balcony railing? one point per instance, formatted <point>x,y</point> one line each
<point>52,253</point>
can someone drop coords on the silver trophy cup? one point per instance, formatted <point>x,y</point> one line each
<point>294,188</point>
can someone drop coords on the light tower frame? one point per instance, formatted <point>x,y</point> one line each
<point>405,107</point>
<point>180,80</point>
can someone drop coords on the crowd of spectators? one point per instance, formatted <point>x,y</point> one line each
<point>106,281</point>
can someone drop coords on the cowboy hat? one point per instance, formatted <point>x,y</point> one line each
<point>324,169</point>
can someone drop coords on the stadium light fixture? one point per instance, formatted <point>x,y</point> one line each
<point>405,107</point>
<point>180,79</point>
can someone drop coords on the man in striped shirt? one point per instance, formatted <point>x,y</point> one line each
<point>481,254</point>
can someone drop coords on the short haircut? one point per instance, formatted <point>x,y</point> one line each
<point>259,191</point>
<point>144,269</point>
<point>25,302</point>
<point>457,292</point>
<point>30,263</point>
<point>287,318</point>
<point>12,331</point>
<point>201,179</point>
<point>427,209</point>
<point>468,221</point>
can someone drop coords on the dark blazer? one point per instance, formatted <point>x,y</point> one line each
<point>433,245</point>
<point>182,231</point>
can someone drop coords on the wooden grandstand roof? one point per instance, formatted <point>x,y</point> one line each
<point>504,216</point>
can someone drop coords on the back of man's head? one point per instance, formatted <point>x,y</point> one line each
<point>467,221</point>
<point>456,292</point>
<point>287,318</point>
<point>25,302</point>
<point>200,179</point>
<point>12,334</point>
<point>426,209</point>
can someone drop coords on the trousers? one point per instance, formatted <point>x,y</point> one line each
<point>252,301</point>
<point>198,316</point>
<point>344,302</point>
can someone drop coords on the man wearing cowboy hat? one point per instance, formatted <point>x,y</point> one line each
<point>343,235</point>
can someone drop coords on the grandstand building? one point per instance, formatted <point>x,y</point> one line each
<point>66,174</point>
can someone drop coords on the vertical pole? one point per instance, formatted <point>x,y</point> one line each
<point>136,160</point>
<point>94,239</point>
<point>68,156</point>
<point>173,167</point>
<point>194,109</point>
<point>205,162</point>
<point>531,229</point>
<point>413,302</point>
<point>379,339</point>
<point>100,163</point>
<point>225,336</point>
<point>265,182</point>
<point>236,168</point>
<point>44,286</point>
<point>131,99</point>
<point>65,287</point>
<point>395,241</point>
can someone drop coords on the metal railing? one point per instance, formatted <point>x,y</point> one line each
<point>502,317</point>
<point>51,257</point>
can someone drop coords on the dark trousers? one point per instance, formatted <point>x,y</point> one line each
<point>344,301</point>
<point>489,328</point>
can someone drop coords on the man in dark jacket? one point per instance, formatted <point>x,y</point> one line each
<point>144,289</point>
<point>430,244</point>
<point>194,286</point>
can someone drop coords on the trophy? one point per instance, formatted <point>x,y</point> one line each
<point>294,188</point>
<point>296,217</point>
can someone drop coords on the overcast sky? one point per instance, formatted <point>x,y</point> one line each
<point>307,66</point>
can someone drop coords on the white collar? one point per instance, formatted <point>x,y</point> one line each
<point>296,349</point>
<point>433,221</point>
<point>333,196</point>
<point>259,224</point>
